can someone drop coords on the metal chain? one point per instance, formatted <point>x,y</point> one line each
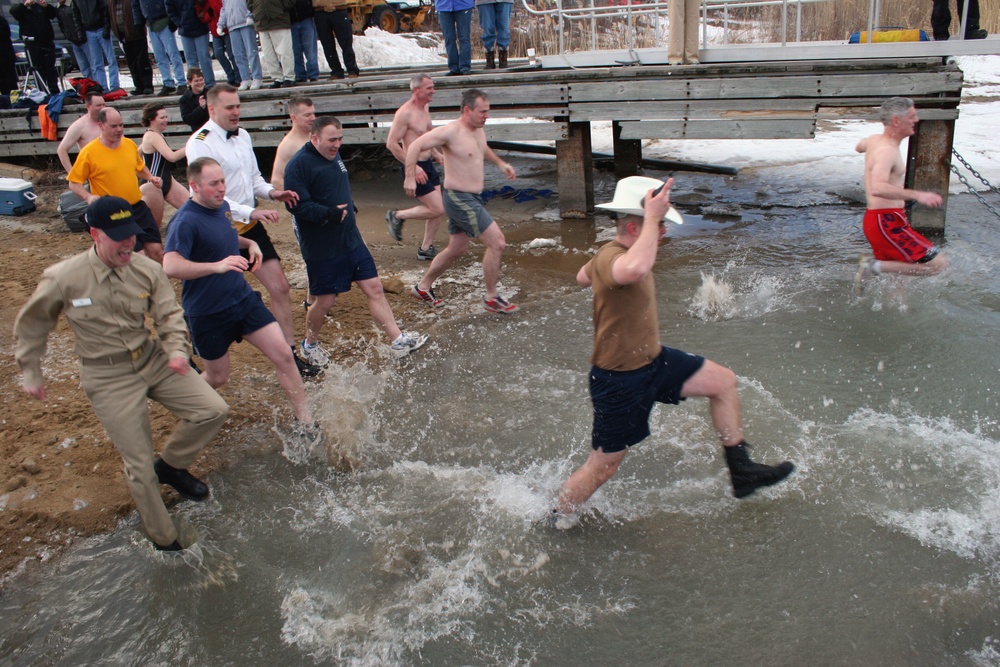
<point>972,190</point>
<point>975,173</point>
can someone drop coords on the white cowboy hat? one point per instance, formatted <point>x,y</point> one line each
<point>628,198</point>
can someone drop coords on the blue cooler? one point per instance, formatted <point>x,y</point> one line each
<point>17,196</point>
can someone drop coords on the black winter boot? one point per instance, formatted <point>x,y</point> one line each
<point>749,476</point>
<point>491,60</point>
<point>503,59</point>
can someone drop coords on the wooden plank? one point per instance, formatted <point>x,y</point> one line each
<point>719,129</point>
<point>793,108</point>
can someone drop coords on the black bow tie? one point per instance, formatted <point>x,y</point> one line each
<point>232,133</point>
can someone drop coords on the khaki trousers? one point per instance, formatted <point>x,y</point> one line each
<point>119,392</point>
<point>683,40</point>
<point>276,47</point>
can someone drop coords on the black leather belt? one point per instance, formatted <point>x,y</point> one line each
<point>119,357</point>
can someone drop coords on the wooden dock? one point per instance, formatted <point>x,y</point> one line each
<point>753,100</point>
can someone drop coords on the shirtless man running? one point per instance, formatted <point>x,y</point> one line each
<point>302,113</point>
<point>463,143</point>
<point>83,130</point>
<point>412,120</point>
<point>896,246</point>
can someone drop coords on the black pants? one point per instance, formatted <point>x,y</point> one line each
<point>137,58</point>
<point>42,59</point>
<point>337,24</point>
<point>941,17</point>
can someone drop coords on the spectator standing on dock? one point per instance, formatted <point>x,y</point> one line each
<point>100,51</point>
<point>304,42</point>
<point>494,19</point>
<point>83,130</point>
<point>107,294</point>
<point>35,20</point>
<point>682,42</point>
<point>941,20</point>
<point>274,27</point>
<point>455,17</point>
<point>131,32</point>
<point>412,120</point>
<point>194,37</point>
<point>235,18</point>
<point>223,140</point>
<point>68,16</point>
<point>8,73</point>
<point>897,247</point>
<point>632,370</point>
<point>209,12</point>
<point>161,38</point>
<point>333,26</point>
<point>463,144</point>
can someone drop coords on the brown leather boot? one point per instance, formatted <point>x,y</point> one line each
<point>503,58</point>
<point>491,60</point>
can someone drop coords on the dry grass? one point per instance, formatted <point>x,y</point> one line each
<point>832,20</point>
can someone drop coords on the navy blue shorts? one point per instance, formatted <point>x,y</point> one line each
<point>213,334</point>
<point>623,399</point>
<point>258,234</point>
<point>433,179</point>
<point>334,276</point>
<point>143,217</point>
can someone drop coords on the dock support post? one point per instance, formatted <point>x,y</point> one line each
<point>928,168</point>
<point>575,172</point>
<point>628,153</point>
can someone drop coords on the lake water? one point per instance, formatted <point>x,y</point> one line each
<point>882,549</point>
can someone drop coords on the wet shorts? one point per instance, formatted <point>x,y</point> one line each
<point>623,399</point>
<point>258,234</point>
<point>335,275</point>
<point>466,213</point>
<point>892,238</point>
<point>213,334</point>
<point>144,218</point>
<point>433,179</point>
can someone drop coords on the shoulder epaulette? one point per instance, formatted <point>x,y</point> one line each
<point>202,134</point>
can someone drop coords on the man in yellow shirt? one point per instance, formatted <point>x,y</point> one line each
<point>112,165</point>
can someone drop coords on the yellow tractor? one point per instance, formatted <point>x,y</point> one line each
<point>389,15</point>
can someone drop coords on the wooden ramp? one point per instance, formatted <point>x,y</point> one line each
<point>752,100</point>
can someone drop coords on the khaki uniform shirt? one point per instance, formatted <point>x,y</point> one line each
<point>105,307</point>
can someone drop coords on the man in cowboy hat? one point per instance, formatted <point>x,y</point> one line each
<point>632,370</point>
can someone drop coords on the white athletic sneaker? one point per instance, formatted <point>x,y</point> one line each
<point>315,354</point>
<point>244,85</point>
<point>256,84</point>
<point>408,342</point>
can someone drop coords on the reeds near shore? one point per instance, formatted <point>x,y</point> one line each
<point>831,20</point>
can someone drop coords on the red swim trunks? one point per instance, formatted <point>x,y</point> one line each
<point>892,238</point>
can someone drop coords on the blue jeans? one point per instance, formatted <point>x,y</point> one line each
<point>99,50</point>
<point>494,19</point>
<point>82,60</point>
<point>196,52</point>
<point>304,46</point>
<point>244,43</point>
<point>224,54</point>
<point>457,30</point>
<point>166,54</point>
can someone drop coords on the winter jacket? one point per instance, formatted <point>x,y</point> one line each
<point>35,22</point>
<point>123,22</point>
<point>149,10</point>
<point>208,13</point>
<point>453,5</point>
<point>93,14</point>
<point>234,15</point>
<point>183,15</point>
<point>271,14</point>
<point>302,10</point>
<point>69,22</point>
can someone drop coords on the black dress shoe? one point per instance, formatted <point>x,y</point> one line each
<point>306,369</point>
<point>184,483</point>
<point>173,546</point>
<point>276,84</point>
<point>976,34</point>
<point>181,89</point>
<point>166,91</point>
